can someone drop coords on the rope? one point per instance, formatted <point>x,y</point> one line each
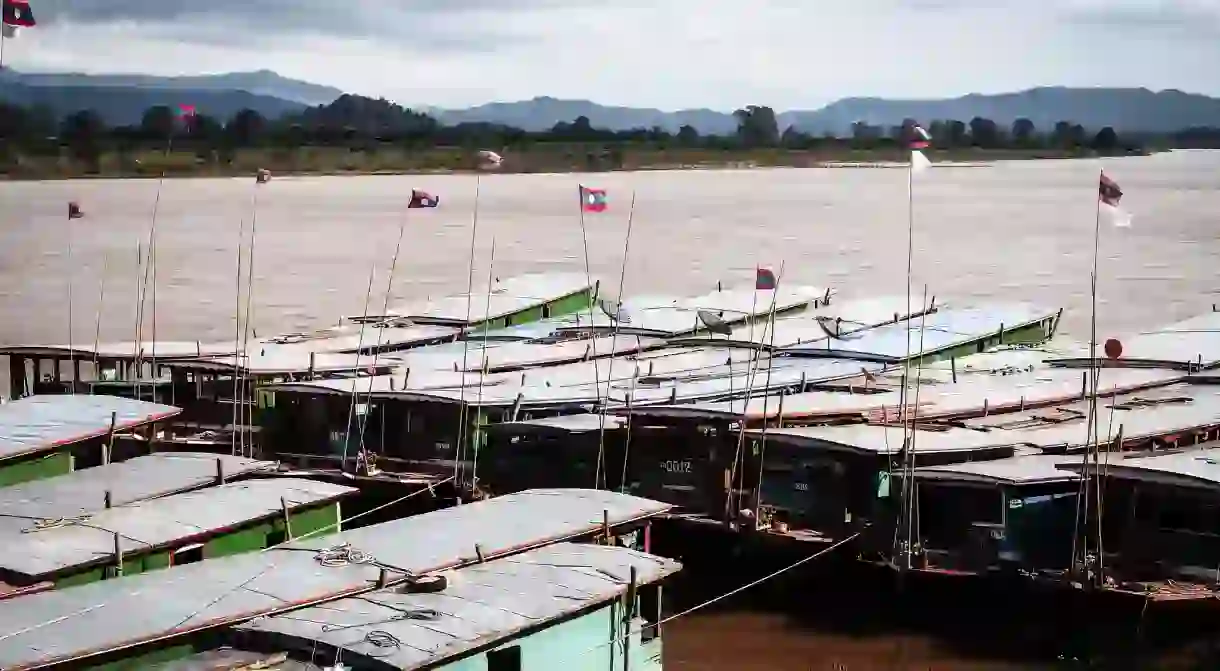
<point>726,595</point>
<point>342,555</point>
<point>52,523</point>
<point>382,639</point>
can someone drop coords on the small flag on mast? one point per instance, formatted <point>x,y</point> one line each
<point>17,13</point>
<point>1109,194</point>
<point>764,280</point>
<point>420,199</point>
<point>74,211</point>
<point>920,139</point>
<point>592,200</point>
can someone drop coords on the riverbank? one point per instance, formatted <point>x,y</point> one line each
<point>446,160</point>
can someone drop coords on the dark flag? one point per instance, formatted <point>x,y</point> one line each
<point>422,199</point>
<point>74,211</point>
<point>18,13</point>
<point>1108,191</point>
<point>1108,196</point>
<point>593,200</point>
<point>764,280</point>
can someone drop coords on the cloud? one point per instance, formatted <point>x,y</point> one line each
<point>669,54</point>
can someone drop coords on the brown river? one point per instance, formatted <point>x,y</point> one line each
<point>1016,231</point>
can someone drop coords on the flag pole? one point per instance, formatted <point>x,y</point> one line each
<point>906,364</point>
<point>597,378</point>
<point>461,433</point>
<point>1082,506</point>
<point>71,346</point>
<point>622,277</point>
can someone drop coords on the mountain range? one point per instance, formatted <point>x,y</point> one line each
<point>122,98</point>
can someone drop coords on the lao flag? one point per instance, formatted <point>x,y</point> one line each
<point>592,200</point>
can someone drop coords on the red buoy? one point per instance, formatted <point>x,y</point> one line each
<point>1114,348</point>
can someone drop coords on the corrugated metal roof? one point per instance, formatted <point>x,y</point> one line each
<point>164,350</point>
<point>71,623</point>
<point>273,359</point>
<point>137,479</point>
<point>355,338</point>
<point>41,423</point>
<point>939,331</point>
<point>1195,468</point>
<point>1026,469</point>
<point>1194,342</point>
<point>506,297</point>
<point>482,604</point>
<point>1136,424</point>
<point>808,404</point>
<point>672,316</point>
<point>580,423</point>
<point>36,551</point>
<point>869,438</point>
<point>854,316</point>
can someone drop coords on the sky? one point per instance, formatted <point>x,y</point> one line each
<point>668,54</point>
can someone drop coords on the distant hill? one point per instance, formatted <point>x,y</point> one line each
<point>1124,109</point>
<point>544,112</point>
<point>126,105</point>
<point>261,83</point>
<point>121,98</point>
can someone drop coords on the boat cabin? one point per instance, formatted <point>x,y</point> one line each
<point>976,517</point>
<point>141,536</point>
<point>159,616</point>
<point>562,606</point>
<point>47,435</point>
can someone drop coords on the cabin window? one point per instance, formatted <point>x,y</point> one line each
<point>187,555</point>
<point>504,659</point>
<point>650,611</point>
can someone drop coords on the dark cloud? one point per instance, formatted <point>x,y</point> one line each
<point>436,24</point>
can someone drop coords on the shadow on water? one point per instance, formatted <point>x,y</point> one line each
<point>840,614</point>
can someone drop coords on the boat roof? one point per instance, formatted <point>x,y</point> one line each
<point>1190,468</point>
<point>939,331</point>
<point>163,349</point>
<point>503,355</point>
<point>665,316</point>
<point>273,359</point>
<point>40,547</point>
<point>1132,414</point>
<point>875,439</point>
<point>562,424</point>
<point>362,338</point>
<point>481,605</point>
<point>43,423</point>
<point>502,298</point>
<point>1191,343</point>
<point>1023,469</point>
<point>793,406</point>
<point>137,479</point>
<point>74,623</point>
<point>802,328</point>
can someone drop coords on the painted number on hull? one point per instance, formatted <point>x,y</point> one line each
<point>672,466</point>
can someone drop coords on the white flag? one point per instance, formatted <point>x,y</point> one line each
<point>919,162</point>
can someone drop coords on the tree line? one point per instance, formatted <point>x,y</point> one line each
<point>360,123</point>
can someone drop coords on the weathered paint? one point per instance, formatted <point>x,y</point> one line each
<point>316,520</point>
<point>16,471</point>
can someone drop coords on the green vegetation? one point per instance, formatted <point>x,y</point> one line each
<point>361,135</point>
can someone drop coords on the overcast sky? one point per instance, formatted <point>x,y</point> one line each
<point>671,54</point>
